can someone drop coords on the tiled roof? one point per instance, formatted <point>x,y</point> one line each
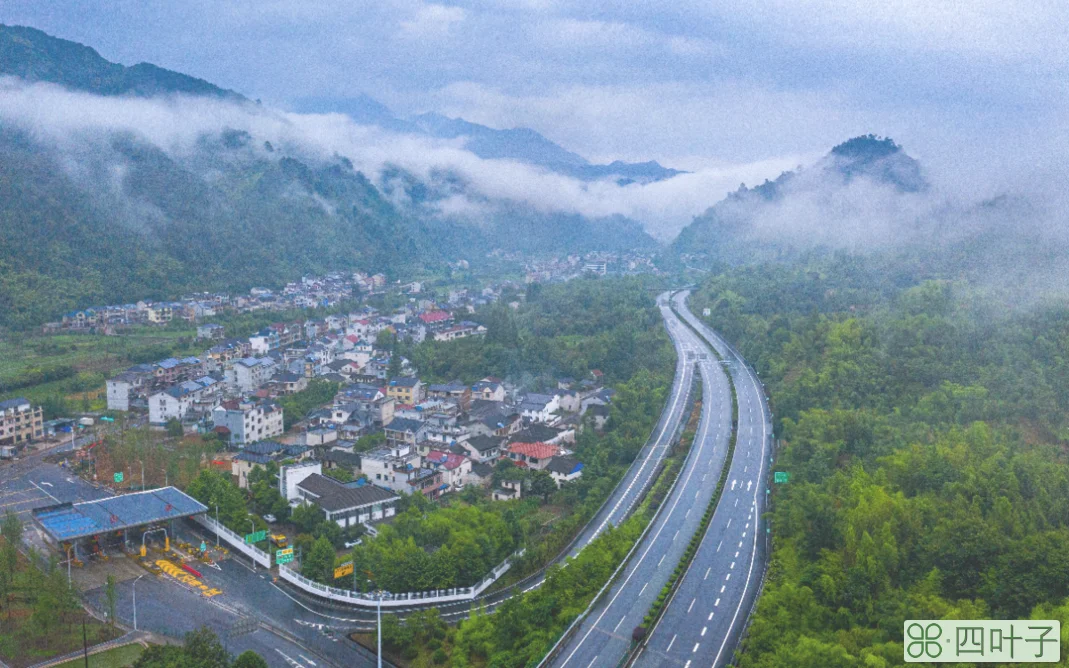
<point>535,450</point>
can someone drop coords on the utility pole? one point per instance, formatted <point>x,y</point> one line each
<point>253,525</point>
<point>217,525</point>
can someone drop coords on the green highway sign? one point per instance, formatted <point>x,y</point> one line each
<point>284,556</point>
<point>118,476</point>
<point>782,476</point>
<point>256,536</point>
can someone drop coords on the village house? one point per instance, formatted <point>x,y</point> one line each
<point>261,454</point>
<point>210,332</point>
<point>406,390</point>
<point>564,469</point>
<point>533,455</point>
<point>348,504</point>
<point>248,421</point>
<point>540,407</point>
<point>177,401</point>
<point>251,373</point>
<point>488,391</point>
<point>461,331</point>
<point>453,390</point>
<point>509,490</point>
<point>20,421</point>
<point>402,431</point>
<point>391,466</point>
<point>455,468</point>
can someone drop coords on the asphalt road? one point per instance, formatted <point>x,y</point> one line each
<point>702,622</point>
<point>604,637</point>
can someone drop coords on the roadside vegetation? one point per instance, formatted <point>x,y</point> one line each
<point>40,616</point>
<point>925,432</point>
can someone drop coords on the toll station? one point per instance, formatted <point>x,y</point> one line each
<point>119,523</point>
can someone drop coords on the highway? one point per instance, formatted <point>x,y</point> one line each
<point>703,620</point>
<point>625,497</point>
<point>604,636</point>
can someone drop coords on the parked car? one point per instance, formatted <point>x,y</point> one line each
<point>354,543</point>
<point>270,519</point>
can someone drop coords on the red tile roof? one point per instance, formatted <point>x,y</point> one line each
<point>536,450</point>
<point>434,316</point>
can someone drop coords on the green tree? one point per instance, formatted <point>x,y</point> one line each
<point>249,659</point>
<point>174,428</point>
<point>111,598</point>
<point>318,564</point>
<point>542,484</point>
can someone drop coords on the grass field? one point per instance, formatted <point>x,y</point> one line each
<point>38,366</point>
<point>116,657</point>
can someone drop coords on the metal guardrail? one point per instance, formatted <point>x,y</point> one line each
<point>235,541</point>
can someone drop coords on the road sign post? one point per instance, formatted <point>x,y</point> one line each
<point>782,477</point>
<point>284,556</point>
<point>117,477</point>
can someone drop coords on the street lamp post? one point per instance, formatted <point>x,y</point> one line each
<point>217,525</point>
<point>253,525</point>
<point>134,588</point>
<point>166,479</point>
<point>142,474</point>
<point>69,565</point>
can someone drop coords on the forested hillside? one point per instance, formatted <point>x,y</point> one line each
<point>924,429</point>
<point>213,192</point>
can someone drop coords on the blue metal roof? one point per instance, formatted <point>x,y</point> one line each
<point>67,521</point>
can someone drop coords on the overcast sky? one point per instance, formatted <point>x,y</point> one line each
<point>691,83</point>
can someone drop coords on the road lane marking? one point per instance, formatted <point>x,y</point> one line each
<point>695,648</point>
<point>619,623</point>
<point>659,562</point>
<point>707,573</point>
<point>691,605</point>
<point>722,587</point>
<point>717,604</point>
<point>592,662</point>
<point>728,524</point>
<point>733,564</point>
<point>671,643</point>
<point>677,534</point>
<point>728,576</point>
<point>710,617</point>
<point>704,629</point>
<point>643,588</point>
<point>718,546</point>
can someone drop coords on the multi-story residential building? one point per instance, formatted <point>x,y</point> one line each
<point>540,407</point>
<point>171,370</point>
<point>249,374</point>
<point>132,383</point>
<point>248,421</point>
<point>211,332</point>
<point>20,421</point>
<point>455,469</point>
<point>403,431</point>
<point>177,401</point>
<point>391,466</point>
<point>454,390</point>
<point>261,454</point>
<point>265,341</point>
<point>218,355</point>
<point>406,390</point>
<point>160,313</point>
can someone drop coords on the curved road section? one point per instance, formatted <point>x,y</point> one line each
<point>604,636</point>
<point>703,621</point>
<point>625,497</point>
